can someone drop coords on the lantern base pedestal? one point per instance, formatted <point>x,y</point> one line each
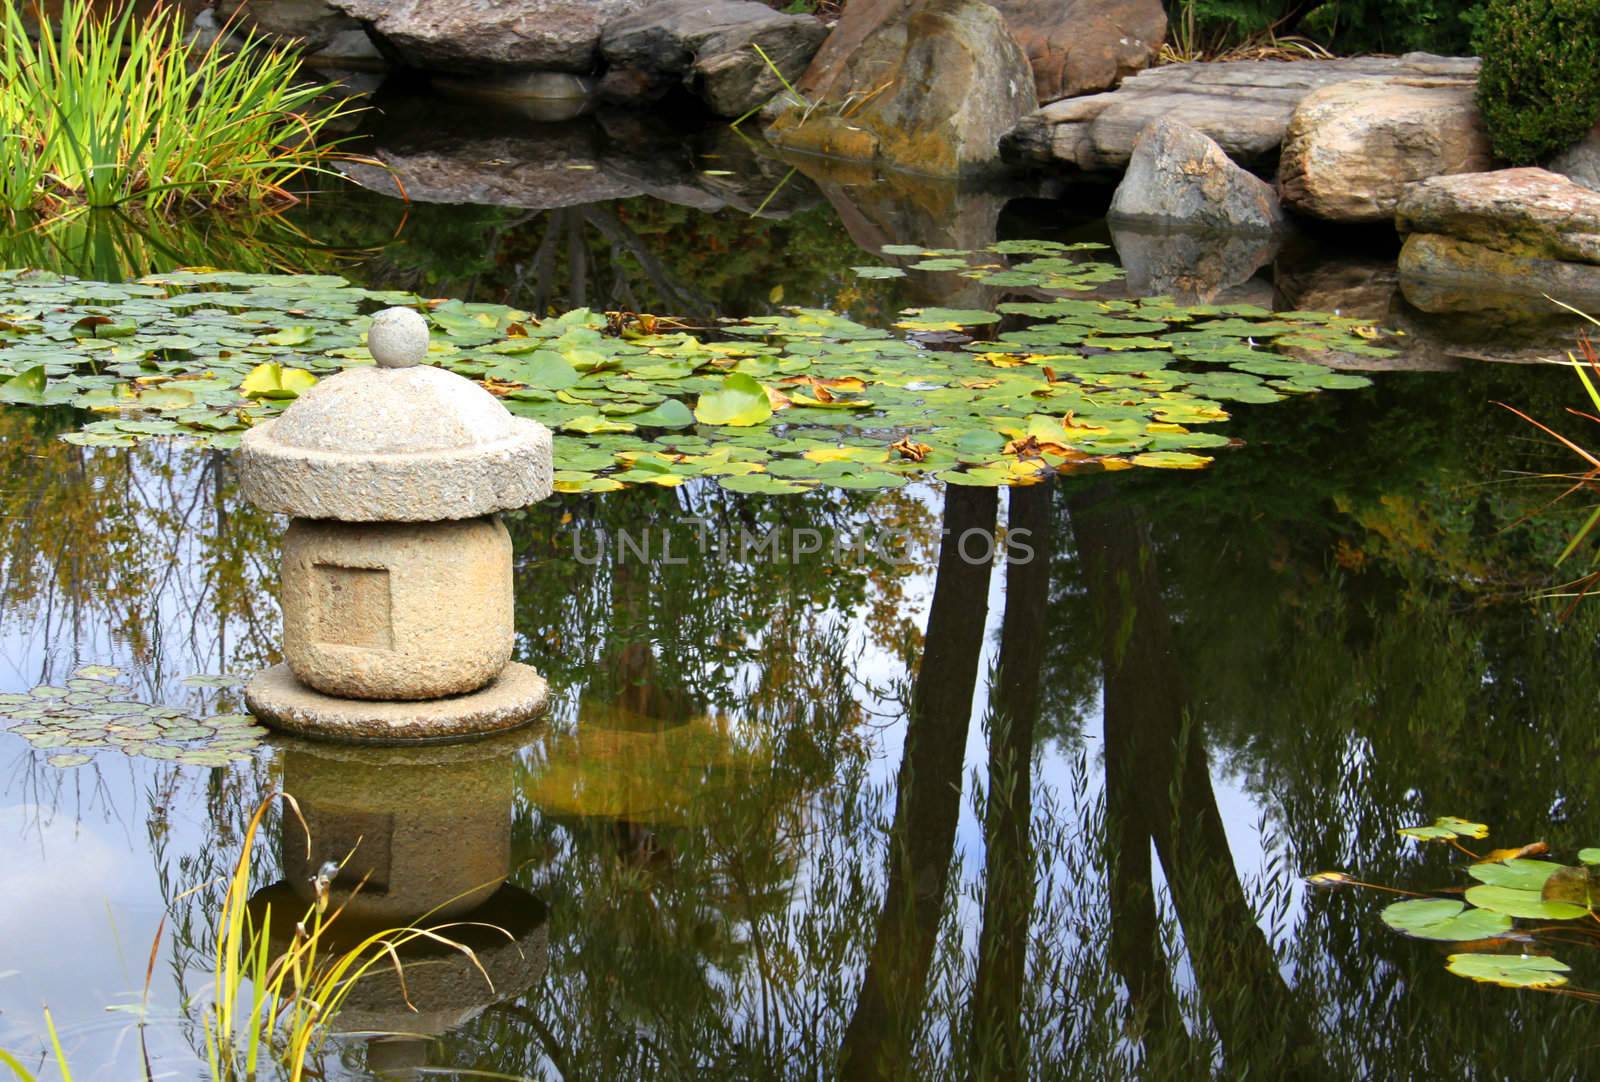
<point>514,698</point>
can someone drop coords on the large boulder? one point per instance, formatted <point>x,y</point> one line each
<point>931,90</point>
<point>473,36</point>
<point>1079,46</point>
<point>1513,231</point>
<point>1581,161</point>
<point>1179,177</point>
<point>1352,148</point>
<point>708,46</point>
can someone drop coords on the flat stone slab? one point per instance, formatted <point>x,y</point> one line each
<point>516,697</point>
<point>1244,105</point>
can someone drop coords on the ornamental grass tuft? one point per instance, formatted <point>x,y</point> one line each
<point>111,109</point>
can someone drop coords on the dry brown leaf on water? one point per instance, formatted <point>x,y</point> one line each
<point>779,400</point>
<point>905,448</point>
<point>1532,849</point>
<point>500,387</point>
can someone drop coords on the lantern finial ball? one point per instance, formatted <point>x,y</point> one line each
<point>398,338</point>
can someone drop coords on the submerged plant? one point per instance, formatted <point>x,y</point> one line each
<point>108,110</point>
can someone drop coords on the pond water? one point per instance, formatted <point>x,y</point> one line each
<point>1127,732</point>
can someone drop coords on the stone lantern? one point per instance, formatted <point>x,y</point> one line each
<point>397,572</point>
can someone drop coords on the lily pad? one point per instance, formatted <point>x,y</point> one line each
<point>1446,828</point>
<point>740,402</point>
<point>1528,904</point>
<point>1510,970</point>
<point>1517,874</point>
<point>1444,919</point>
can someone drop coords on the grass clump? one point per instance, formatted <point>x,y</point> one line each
<point>109,110</point>
<point>1539,88</point>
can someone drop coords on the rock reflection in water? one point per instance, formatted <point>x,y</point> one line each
<point>436,151</point>
<point>424,837</point>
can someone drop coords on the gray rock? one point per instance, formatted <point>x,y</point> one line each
<point>1580,162</point>
<point>1499,240</point>
<point>311,25</point>
<point>1178,177</point>
<point>930,91</point>
<point>351,47</point>
<point>1519,212</point>
<point>1245,105</point>
<point>708,46</point>
<point>398,338</point>
<point>474,36</point>
<point>1352,148</point>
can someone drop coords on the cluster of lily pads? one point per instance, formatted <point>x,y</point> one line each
<point>1508,886</point>
<point>92,712</point>
<point>770,404</point>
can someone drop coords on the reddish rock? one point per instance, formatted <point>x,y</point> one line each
<point>1081,46</point>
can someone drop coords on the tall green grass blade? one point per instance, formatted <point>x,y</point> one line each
<point>22,1073</point>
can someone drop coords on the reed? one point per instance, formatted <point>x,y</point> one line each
<point>110,110</point>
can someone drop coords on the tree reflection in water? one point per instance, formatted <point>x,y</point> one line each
<point>758,836</point>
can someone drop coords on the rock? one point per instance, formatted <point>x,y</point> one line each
<point>1524,212</point>
<point>352,47</point>
<point>1581,161</point>
<point>1178,177</point>
<point>708,46</point>
<point>931,92</point>
<point>474,36</point>
<point>1079,46</point>
<point>1446,274</point>
<point>1189,267</point>
<point>398,338</point>
<point>1245,105</point>
<point>1479,238</point>
<point>1351,148</point>
<point>310,25</point>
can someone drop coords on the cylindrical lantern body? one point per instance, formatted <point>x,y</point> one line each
<point>415,610</point>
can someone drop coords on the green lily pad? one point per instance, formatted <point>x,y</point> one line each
<point>1445,828</point>
<point>740,402</point>
<point>1517,874</point>
<point>1444,919</point>
<point>273,380</point>
<point>1528,904</point>
<point>1510,970</point>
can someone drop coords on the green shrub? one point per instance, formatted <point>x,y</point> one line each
<point>1539,89</point>
<point>1343,26</point>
